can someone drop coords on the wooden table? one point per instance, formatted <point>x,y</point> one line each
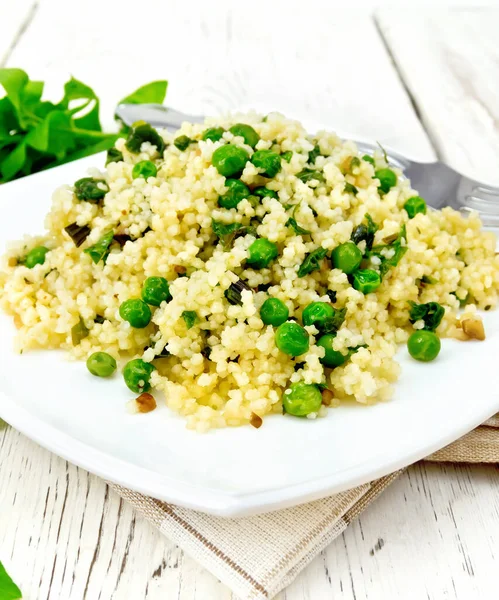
<point>426,84</point>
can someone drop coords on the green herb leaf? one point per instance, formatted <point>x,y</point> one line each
<point>79,332</point>
<point>431,313</point>
<point>100,250</point>
<point>233,292</point>
<point>350,189</point>
<point>313,154</point>
<point>312,262</point>
<point>398,252</point>
<point>365,232</point>
<point>310,175</point>
<point>297,229</point>
<point>151,93</point>
<point>8,589</point>
<point>190,317</point>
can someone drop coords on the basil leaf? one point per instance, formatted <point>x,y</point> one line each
<point>298,230</point>
<point>431,313</point>
<point>8,589</point>
<point>100,250</point>
<point>153,93</point>
<point>312,262</point>
<point>190,317</point>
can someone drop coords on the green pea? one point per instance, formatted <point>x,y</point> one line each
<point>268,161</point>
<point>213,133</point>
<point>136,312</point>
<point>36,256</point>
<point>261,253</point>
<point>346,257</point>
<point>145,169</point>
<point>319,314</point>
<point>332,358</point>
<point>90,189</point>
<point>387,179</point>
<point>229,160</point>
<point>143,132</point>
<point>247,132</point>
<point>274,312</point>
<point>368,159</point>
<point>287,156</point>
<point>137,374</point>
<point>366,280</point>
<point>263,192</point>
<point>302,399</point>
<point>292,339</point>
<point>101,364</point>
<point>415,205</point>
<point>424,345</point>
<point>237,191</point>
<point>156,290</point>
<point>182,142</point>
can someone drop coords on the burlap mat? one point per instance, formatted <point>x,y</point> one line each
<point>258,556</point>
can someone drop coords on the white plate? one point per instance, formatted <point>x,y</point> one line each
<point>231,472</point>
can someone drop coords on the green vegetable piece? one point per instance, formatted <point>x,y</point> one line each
<point>113,155</point>
<point>247,132</point>
<point>312,262</point>
<point>291,222</point>
<point>310,175</point>
<point>79,332</point>
<point>287,156</point>
<point>137,374</point>
<point>182,142</point>
<point>8,589</point>
<point>331,295</point>
<point>151,93</point>
<point>365,232</point>
<point>387,179</point>
<point>213,133</point>
<point>143,132</point>
<point>261,253</point>
<point>431,313</point>
<point>368,159</point>
<point>237,191</point>
<point>100,250</point>
<point>415,205</point>
<point>145,169</point>
<point>268,161</point>
<point>292,339</point>
<point>366,280</point>
<point>263,192</point>
<point>156,290</point>
<point>323,316</point>
<point>398,251</point>
<point>313,154</point>
<point>346,257</point>
<point>190,317</point>
<point>350,189</point>
<point>234,292</point>
<point>332,358</point>
<point>77,234</point>
<point>355,162</point>
<point>424,345</point>
<point>230,160</point>
<point>302,399</point>
<point>274,312</point>
<point>90,189</point>
<point>36,256</point>
<point>136,312</point>
<point>101,364</point>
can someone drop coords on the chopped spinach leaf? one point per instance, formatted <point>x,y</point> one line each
<point>312,262</point>
<point>431,313</point>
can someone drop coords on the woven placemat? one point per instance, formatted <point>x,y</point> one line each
<point>258,556</point>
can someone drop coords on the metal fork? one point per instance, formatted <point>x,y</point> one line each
<point>436,182</point>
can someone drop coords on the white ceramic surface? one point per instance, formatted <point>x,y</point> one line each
<point>231,472</point>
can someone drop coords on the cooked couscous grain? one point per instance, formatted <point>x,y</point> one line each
<point>168,258</point>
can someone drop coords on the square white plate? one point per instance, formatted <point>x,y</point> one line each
<point>230,472</point>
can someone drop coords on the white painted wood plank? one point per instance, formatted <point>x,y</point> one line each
<point>319,65</point>
<point>14,18</point>
<point>450,63</point>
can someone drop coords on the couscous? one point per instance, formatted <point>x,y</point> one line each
<point>243,267</point>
